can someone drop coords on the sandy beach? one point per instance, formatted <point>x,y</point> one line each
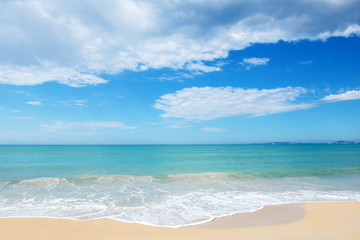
<point>335,220</point>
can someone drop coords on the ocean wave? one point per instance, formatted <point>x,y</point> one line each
<point>110,178</point>
<point>3,183</point>
<point>166,200</point>
<point>245,175</point>
<point>42,181</point>
<point>171,211</point>
<point>207,176</point>
<point>249,175</point>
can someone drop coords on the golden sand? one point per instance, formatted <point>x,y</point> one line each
<point>339,220</point>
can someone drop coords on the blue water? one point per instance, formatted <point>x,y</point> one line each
<point>171,185</point>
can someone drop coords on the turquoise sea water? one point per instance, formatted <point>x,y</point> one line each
<point>171,185</point>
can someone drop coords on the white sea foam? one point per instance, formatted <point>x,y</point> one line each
<point>3,183</point>
<point>174,201</point>
<point>175,211</point>
<point>49,182</point>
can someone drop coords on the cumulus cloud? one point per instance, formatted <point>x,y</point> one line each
<point>349,95</point>
<point>34,103</point>
<point>61,125</point>
<point>76,42</point>
<point>215,102</point>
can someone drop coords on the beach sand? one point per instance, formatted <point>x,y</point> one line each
<point>338,220</point>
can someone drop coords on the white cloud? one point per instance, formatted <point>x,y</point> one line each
<point>60,125</point>
<point>349,95</point>
<point>201,67</point>
<point>34,103</point>
<point>74,43</point>
<point>178,76</point>
<point>212,129</point>
<point>215,102</point>
<point>33,75</point>
<point>254,62</point>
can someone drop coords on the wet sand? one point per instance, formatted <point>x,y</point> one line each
<point>338,220</point>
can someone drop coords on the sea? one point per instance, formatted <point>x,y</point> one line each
<point>171,185</point>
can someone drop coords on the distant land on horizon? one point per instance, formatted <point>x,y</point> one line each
<point>299,143</point>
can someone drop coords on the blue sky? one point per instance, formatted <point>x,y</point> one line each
<point>181,72</point>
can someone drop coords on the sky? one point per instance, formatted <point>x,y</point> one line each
<point>179,72</point>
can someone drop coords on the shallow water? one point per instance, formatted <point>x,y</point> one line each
<point>171,185</point>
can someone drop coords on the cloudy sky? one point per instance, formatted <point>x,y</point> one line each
<point>190,71</point>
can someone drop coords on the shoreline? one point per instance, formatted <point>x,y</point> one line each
<point>276,208</point>
<point>319,220</point>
